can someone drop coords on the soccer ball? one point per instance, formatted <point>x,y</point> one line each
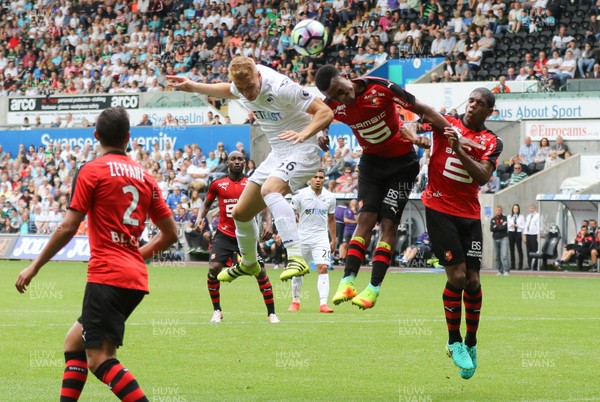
<point>309,37</point>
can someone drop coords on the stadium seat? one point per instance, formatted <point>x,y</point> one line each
<point>514,51</point>
<point>549,249</point>
<point>493,75</point>
<point>501,50</point>
<point>481,75</point>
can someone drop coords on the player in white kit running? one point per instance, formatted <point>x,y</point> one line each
<point>315,207</point>
<point>282,110</point>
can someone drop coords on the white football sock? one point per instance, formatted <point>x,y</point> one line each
<point>247,236</point>
<point>296,288</point>
<point>285,222</point>
<point>323,287</point>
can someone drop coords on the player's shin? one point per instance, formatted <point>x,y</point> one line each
<point>355,256</point>
<point>382,258</point>
<point>266,289</point>
<point>452,298</point>
<point>74,376</point>
<point>472,301</point>
<point>247,236</point>
<point>285,221</point>
<point>214,287</point>
<point>323,288</point>
<point>296,288</point>
<point>120,381</point>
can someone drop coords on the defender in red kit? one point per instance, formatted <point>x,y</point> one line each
<point>454,220</point>
<point>224,249</point>
<point>117,195</point>
<point>387,170</point>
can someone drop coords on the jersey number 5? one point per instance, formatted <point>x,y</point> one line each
<point>135,198</point>
<point>454,170</point>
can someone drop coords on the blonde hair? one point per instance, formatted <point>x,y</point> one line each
<point>242,69</point>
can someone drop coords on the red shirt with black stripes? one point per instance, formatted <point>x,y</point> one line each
<point>374,118</point>
<point>228,192</point>
<point>450,188</point>
<point>117,195</point>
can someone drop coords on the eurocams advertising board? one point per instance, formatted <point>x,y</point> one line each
<point>570,130</point>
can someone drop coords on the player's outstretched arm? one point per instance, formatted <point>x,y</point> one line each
<point>219,90</point>
<point>322,117</point>
<point>479,170</point>
<point>63,234</point>
<point>163,240</point>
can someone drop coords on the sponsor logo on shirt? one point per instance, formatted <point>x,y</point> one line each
<point>264,115</point>
<point>341,109</point>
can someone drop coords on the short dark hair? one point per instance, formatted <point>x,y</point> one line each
<point>486,94</point>
<point>324,77</point>
<point>112,126</point>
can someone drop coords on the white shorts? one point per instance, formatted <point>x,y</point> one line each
<point>316,250</point>
<point>295,168</point>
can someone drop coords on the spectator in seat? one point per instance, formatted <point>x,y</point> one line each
<point>542,154</point>
<point>421,249</point>
<point>567,69</point>
<point>586,62</point>
<point>561,40</point>
<point>552,160</point>
<point>540,62</point>
<point>474,57</point>
<point>580,249</point>
<point>527,153</point>
<point>487,43</point>
<point>560,147</point>
<point>517,175</point>
<point>492,186</point>
<point>501,88</point>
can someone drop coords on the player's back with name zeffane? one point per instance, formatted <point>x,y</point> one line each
<point>117,195</point>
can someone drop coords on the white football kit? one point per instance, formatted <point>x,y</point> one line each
<point>280,106</point>
<point>313,212</point>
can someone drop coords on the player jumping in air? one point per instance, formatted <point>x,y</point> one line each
<point>224,246</point>
<point>315,207</point>
<point>387,169</point>
<point>282,109</point>
<point>453,218</point>
<point>117,195</point>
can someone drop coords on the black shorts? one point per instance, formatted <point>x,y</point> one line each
<point>384,184</point>
<point>347,237</point>
<point>223,249</point>
<point>105,310</point>
<point>454,239</point>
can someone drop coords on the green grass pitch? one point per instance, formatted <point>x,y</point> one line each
<point>539,340</point>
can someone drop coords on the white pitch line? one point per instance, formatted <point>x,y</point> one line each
<point>353,321</point>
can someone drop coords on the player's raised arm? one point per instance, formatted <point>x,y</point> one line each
<point>219,90</point>
<point>479,170</point>
<point>63,234</point>
<point>322,118</point>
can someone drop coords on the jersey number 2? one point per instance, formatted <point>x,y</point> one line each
<point>135,198</point>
